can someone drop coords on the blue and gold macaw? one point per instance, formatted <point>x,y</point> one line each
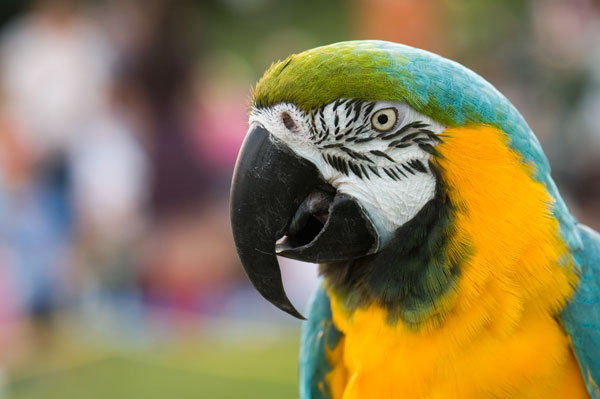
<point>451,266</point>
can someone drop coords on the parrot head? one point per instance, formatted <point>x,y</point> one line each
<point>341,167</point>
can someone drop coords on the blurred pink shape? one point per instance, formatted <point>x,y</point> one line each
<point>221,127</point>
<point>10,306</point>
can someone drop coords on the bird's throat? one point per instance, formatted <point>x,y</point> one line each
<point>413,277</point>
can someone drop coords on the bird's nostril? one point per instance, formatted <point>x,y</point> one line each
<point>288,121</point>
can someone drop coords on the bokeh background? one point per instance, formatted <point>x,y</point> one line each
<point>120,121</point>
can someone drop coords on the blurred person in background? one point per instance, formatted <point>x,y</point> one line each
<point>110,183</point>
<point>14,163</point>
<point>120,121</point>
<point>77,202</point>
<point>54,69</point>
<point>188,263</point>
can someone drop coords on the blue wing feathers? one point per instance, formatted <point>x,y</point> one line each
<point>319,335</point>
<point>581,316</point>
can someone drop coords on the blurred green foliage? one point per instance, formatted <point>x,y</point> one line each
<point>479,27</point>
<point>248,27</point>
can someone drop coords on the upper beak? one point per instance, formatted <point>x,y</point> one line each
<point>278,196</point>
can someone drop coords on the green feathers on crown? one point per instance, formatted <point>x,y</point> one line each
<point>384,71</point>
<point>322,75</point>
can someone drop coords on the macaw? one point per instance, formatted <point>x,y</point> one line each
<point>451,265</point>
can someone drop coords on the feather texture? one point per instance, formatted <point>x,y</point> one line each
<point>322,374</point>
<point>581,316</point>
<point>531,267</point>
<point>499,337</point>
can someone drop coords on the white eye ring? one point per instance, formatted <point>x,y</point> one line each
<point>384,119</point>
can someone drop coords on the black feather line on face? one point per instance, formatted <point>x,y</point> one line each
<point>345,167</point>
<point>410,136</point>
<point>362,129</point>
<point>358,168</point>
<point>429,149</point>
<point>338,163</point>
<point>434,137</point>
<point>408,169</point>
<point>364,171</point>
<point>356,155</point>
<point>364,140</point>
<point>355,132</point>
<point>364,157</point>
<point>374,170</point>
<point>336,104</point>
<point>402,130</point>
<point>348,112</point>
<point>387,172</point>
<point>420,140</point>
<point>352,160</point>
<point>349,107</point>
<point>330,160</point>
<point>399,144</point>
<point>334,163</point>
<point>397,133</point>
<point>400,171</point>
<point>395,174</point>
<point>314,126</point>
<point>324,127</point>
<point>357,110</point>
<point>350,152</point>
<point>355,169</point>
<point>369,109</point>
<point>382,154</point>
<point>418,165</point>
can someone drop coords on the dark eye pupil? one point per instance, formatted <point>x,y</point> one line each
<point>382,119</point>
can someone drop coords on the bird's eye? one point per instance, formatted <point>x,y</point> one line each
<point>384,119</point>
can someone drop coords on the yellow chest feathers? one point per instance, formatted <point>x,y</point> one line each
<point>499,337</point>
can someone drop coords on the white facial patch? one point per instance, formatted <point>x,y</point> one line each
<point>376,152</point>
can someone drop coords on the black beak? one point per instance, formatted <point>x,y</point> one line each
<point>278,196</point>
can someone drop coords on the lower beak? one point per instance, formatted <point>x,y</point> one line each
<point>279,199</point>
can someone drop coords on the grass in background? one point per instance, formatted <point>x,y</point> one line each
<point>197,368</point>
